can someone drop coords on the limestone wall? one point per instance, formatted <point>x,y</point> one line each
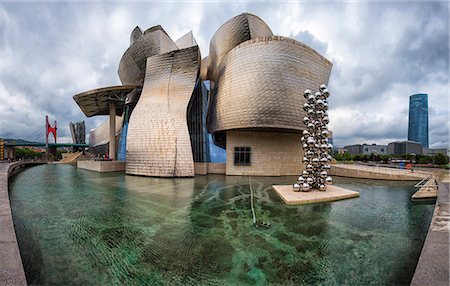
<point>272,154</point>
<point>377,173</point>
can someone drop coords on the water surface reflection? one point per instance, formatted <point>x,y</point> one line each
<point>81,227</point>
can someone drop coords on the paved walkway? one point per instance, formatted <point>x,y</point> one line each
<point>377,173</point>
<point>433,265</point>
<point>427,191</point>
<point>11,268</point>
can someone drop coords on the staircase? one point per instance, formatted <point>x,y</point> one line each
<point>70,159</point>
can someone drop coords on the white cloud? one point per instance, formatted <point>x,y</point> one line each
<point>382,53</point>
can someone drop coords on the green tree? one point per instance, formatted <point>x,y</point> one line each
<point>440,159</point>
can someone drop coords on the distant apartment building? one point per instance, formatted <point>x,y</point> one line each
<point>330,137</point>
<point>404,147</point>
<point>374,149</point>
<point>418,119</point>
<point>433,152</point>
<point>366,149</point>
<point>354,149</point>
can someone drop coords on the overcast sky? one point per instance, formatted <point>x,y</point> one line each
<point>382,52</point>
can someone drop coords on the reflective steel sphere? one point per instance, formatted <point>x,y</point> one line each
<point>328,180</point>
<point>315,142</point>
<point>305,187</point>
<point>296,187</point>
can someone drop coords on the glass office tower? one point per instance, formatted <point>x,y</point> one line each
<point>418,119</point>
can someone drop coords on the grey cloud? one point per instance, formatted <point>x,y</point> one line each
<point>382,53</point>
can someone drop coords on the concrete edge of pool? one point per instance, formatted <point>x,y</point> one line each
<point>11,267</point>
<point>333,193</point>
<point>433,265</point>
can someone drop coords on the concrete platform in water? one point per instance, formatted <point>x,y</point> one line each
<point>427,190</point>
<point>102,166</point>
<point>333,193</point>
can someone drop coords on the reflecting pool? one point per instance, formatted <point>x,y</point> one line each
<point>81,227</point>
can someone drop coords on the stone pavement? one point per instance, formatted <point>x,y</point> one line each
<point>11,269</point>
<point>333,193</point>
<point>427,191</point>
<point>433,265</point>
<point>375,173</point>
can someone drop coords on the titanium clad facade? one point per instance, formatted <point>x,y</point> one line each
<point>186,41</point>
<point>135,35</point>
<point>418,119</point>
<point>256,82</point>
<point>233,32</point>
<point>158,138</point>
<point>260,85</point>
<point>154,41</point>
<point>100,135</point>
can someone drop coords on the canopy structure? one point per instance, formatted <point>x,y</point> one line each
<point>96,102</point>
<point>107,101</point>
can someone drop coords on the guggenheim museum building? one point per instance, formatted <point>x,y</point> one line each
<point>237,111</point>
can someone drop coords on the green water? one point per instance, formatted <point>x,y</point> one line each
<point>81,227</point>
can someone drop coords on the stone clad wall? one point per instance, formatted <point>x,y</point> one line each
<point>158,137</point>
<point>272,154</point>
<point>375,174</point>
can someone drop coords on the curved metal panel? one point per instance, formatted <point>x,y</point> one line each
<point>158,137</point>
<point>261,82</point>
<point>154,41</point>
<point>186,41</point>
<point>135,35</point>
<point>235,31</point>
<point>100,135</point>
<point>204,69</point>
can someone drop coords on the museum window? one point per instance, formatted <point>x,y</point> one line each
<point>242,156</point>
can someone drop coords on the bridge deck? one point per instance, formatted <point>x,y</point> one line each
<point>40,144</point>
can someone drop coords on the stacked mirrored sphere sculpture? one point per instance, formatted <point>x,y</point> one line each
<point>316,148</point>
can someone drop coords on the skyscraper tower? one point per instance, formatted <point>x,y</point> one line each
<point>418,119</point>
